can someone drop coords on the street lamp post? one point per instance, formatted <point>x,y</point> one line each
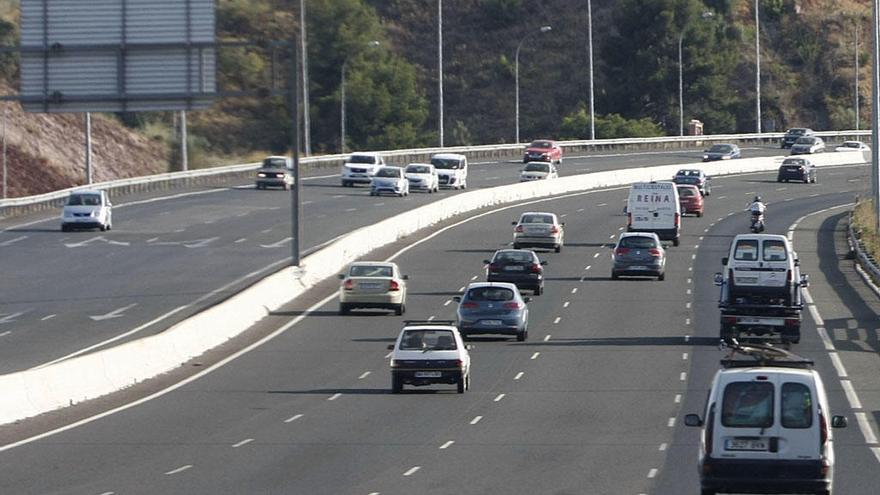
<point>875,108</point>
<point>342,97</point>
<point>440,63</point>
<point>857,77</point>
<point>590,49</point>
<point>307,128</point>
<point>758,66</point>
<point>543,29</point>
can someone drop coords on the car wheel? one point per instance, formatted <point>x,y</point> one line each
<point>344,309</point>
<point>396,385</point>
<point>661,277</point>
<point>65,228</point>
<point>109,226</point>
<point>558,248</point>
<point>460,385</point>
<point>614,276</point>
<point>400,309</point>
<point>699,213</point>
<point>515,246</point>
<point>103,227</point>
<point>538,290</point>
<point>778,179</point>
<point>522,336</point>
<point>676,242</point>
<point>467,383</point>
<point>464,185</point>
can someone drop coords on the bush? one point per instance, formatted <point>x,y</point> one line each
<point>864,223</point>
<point>577,126</point>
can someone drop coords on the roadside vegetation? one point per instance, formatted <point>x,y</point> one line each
<point>864,221</point>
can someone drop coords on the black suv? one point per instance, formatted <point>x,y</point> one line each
<point>792,135</point>
<point>797,169</point>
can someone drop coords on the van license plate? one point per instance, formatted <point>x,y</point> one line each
<point>752,320</point>
<point>428,374</point>
<point>755,444</point>
<point>491,323</point>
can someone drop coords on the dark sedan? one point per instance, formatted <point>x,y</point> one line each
<point>493,308</point>
<point>721,152</point>
<point>799,169</point>
<point>694,177</point>
<point>517,266</point>
<point>639,254</point>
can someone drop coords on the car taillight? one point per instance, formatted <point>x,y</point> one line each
<point>394,285</point>
<point>823,430</point>
<point>654,252</point>
<point>512,305</point>
<point>621,250</point>
<point>554,230</point>
<point>519,229</point>
<point>788,276</point>
<point>348,284</point>
<point>730,320</point>
<point>791,322</point>
<point>459,363</point>
<point>469,305</point>
<point>677,220</point>
<point>629,219</point>
<point>536,268</point>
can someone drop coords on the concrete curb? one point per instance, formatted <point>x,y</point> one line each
<point>35,391</point>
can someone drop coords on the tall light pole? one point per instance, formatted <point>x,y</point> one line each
<point>307,129</point>
<point>875,108</point>
<point>590,48</point>
<point>543,29</point>
<point>758,66</point>
<point>857,76</point>
<point>440,62</point>
<point>342,97</point>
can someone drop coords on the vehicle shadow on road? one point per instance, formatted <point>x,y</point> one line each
<point>329,313</point>
<point>628,341</point>
<point>590,244</point>
<point>377,339</point>
<point>438,293</point>
<point>486,251</point>
<point>333,391</point>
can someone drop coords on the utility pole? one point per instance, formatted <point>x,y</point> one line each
<point>440,56</point>
<point>875,119</point>
<point>758,66</point>
<point>5,170</point>
<point>590,48</point>
<point>307,128</point>
<point>88,147</point>
<point>184,153</point>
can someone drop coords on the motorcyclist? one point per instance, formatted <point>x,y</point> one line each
<point>757,207</point>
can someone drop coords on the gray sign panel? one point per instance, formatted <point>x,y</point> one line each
<point>117,55</point>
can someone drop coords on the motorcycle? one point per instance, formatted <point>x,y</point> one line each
<point>757,222</point>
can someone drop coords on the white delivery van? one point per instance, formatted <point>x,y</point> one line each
<point>452,170</point>
<point>654,207</point>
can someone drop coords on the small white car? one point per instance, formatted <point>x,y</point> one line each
<point>430,352</point>
<point>372,284</point>
<point>422,177</point>
<point>853,146</point>
<point>538,171</point>
<point>389,180</point>
<point>87,209</point>
<point>539,230</point>
<point>360,167</point>
<point>452,170</point>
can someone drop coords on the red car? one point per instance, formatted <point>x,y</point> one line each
<point>543,150</point>
<point>690,199</point>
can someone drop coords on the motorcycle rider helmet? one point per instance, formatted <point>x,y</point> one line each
<point>757,199</point>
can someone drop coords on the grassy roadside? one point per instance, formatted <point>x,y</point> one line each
<point>864,220</point>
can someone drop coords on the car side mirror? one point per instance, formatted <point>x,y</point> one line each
<point>797,262</point>
<point>470,347</point>
<point>724,260</point>
<point>341,276</point>
<point>805,280</point>
<point>562,223</point>
<point>838,422</point>
<point>719,279</point>
<point>390,347</point>
<point>527,299</point>
<point>544,263</point>
<point>693,420</point>
<point>109,203</point>
<point>513,223</point>
<point>456,298</point>
<point>405,277</point>
<point>487,262</point>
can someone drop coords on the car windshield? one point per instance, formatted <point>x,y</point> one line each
<point>541,144</point>
<point>747,405</point>
<point>746,250</point>
<point>388,172</point>
<point>686,192</point>
<point>428,340</point>
<point>796,132</point>
<point>84,200</point>
<point>490,294</point>
<point>275,163</point>
<point>721,148</point>
<point>536,219</point>
<point>805,140</point>
<point>370,271</point>
<point>794,161</point>
<point>852,144</point>
<point>446,163</point>
<point>774,251</point>
<point>797,406</point>
<point>688,173</point>
<point>537,167</point>
<point>638,242</point>
<point>362,159</point>
<point>418,169</point>
<point>513,256</point>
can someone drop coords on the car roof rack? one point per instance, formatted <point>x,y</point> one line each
<point>411,323</point>
<point>752,355</point>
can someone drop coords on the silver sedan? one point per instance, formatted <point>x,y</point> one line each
<point>539,230</point>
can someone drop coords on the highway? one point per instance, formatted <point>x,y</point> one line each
<point>170,256</point>
<point>591,403</point>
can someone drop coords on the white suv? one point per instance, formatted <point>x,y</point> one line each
<point>429,352</point>
<point>359,168</point>
<point>766,426</point>
<point>763,266</point>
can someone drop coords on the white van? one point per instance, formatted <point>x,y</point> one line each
<point>766,426</point>
<point>654,207</point>
<point>452,170</point>
<point>763,265</point>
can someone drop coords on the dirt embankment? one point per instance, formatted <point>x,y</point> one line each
<point>46,152</point>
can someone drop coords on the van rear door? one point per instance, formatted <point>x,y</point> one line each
<point>799,419</point>
<point>746,426</point>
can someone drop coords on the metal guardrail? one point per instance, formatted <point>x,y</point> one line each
<point>857,248</point>
<point>220,175</point>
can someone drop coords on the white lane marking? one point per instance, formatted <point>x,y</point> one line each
<point>518,375</point>
<point>114,339</point>
<point>826,341</point>
<point>838,364</point>
<point>389,354</point>
<point>602,204</point>
<point>364,375</point>
<point>620,229</point>
<point>677,398</point>
<point>696,246</point>
<point>565,304</point>
<point>476,420</point>
<point>687,338</point>
<point>574,290</point>
<point>662,447</point>
<point>546,338</point>
<point>243,442</point>
<point>109,493</point>
<point>47,317</point>
<point>116,313</point>
<point>277,244</point>
<point>583,278</point>
<point>705,230</point>
<point>475,277</point>
<point>10,317</point>
<point>447,444</point>
<point>379,204</point>
<point>580,210</point>
<point>670,422</point>
<point>431,318</point>
<point>306,202</point>
<point>652,473</point>
<point>689,291</point>
<point>557,320</point>
<point>687,305</point>
<point>597,254</point>
<point>563,215</point>
<point>611,236</point>
<point>239,241</point>
<point>13,241</point>
<point>588,267</point>
<point>690,280</point>
<point>816,316</point>
<point>338,196</point>
<point>448,301</point>
<point>179,470</point>
<point>96,239</point>
<point>683,376</point>
<point>350,210</point>
<point>266,231</point>
<point>722,197</point>
<point>334,396</point>
<point>876,451</point>
<point>720,219</point>
<point>687,321</point>
<point>293,418</point>
<point>865,426</point>
<point>701,238</point>
<point>152,239</point>
<point>4,334</point>
<point>498,398</point>
<point>535,355</point>
<point>684,356</point>
<point>807,297</point>
<point>851,396</point>
<point>461,289</point>
<point>412,471</point>
<point>693,256</point>
<point>781,188</point>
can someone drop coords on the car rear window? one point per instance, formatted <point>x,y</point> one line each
<point>686,192</point>
<point>805,140</point>
<point>746,250</point>
<point>490,294</point>
<point>84,199</point>
<point>537,167</point>
<point>370,271</point>
<point>720,148</point>
<point>774,251</point>
<point>797,406</point>
<point>688,173</point>
<point>638,242</point>
<point>540,144</point>
<point>429,339</point>
<point>362,159</point>
<point>747,405</point>
<point>446,163</point>
<point>516,256</point>
<point>388,172</point>
<point>536,219</point>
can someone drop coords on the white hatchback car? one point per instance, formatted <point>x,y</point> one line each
<point>87,209</point>
<point>538,171</point>
<point>389,180</point>
<point>429,352</point>
<point>372,284</point>
<point>422,177</point>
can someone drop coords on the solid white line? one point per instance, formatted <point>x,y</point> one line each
<point>652,473</point>
<point>838,364</point>
<point>412,471</point>
<point>851,396</point>
<point>662,447</point>
<point>447,444</point>
<point>476,420</point>
<point>500,396</point>
<point>293,418</point>
<point>535,355</point>
<point>670,422</point>
<point>518,375</point>
<point>364,375</point>
<point>109,493</point>
<point>816,316</point>
<point>47,317</point>
<point>243,442</point>
<point>179,470</point>
<point>556,321</point>
<point>865,426</point>
<point>334,396</point>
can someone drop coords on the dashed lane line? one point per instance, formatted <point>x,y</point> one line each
<point>242,443</point>
<point>447,444</point>
<point>670,423</point>
<point>412,470</point>
<point>518,375</point>
<point>498,398</point>
<point>179,470</point>
<point>865,426</point>
<point>535,355</point>
<point>546,338</point>
<point>557,320</point>
<point>476,420</point>
<point>652,473</point>
<point>364,375</point>
<point>293,418</point>
<point>334,396</point>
